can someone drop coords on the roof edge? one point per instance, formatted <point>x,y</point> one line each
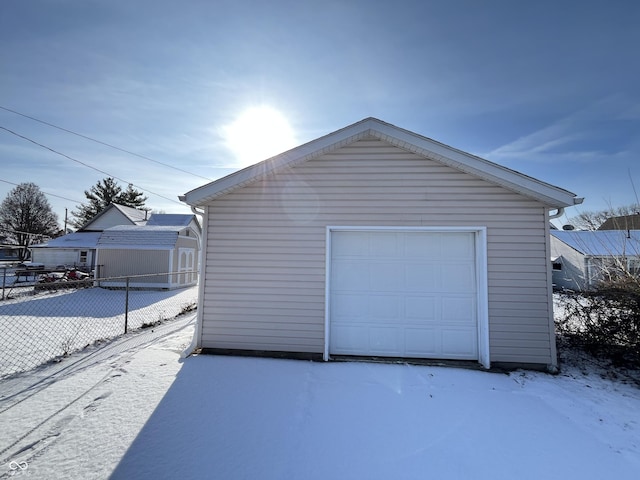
<point>554,197</point>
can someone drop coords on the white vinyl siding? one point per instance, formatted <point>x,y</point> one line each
<point>53,257</point>
<point>111,218</point>
<point>265,252</point>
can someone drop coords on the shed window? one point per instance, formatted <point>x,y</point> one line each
<point>83,256</point>
<point>557,266</point>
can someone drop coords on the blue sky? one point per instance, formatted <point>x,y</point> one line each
<point>548,88</point>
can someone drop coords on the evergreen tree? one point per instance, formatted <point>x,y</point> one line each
<point>132,198</point>
<point>26,217</point>
<point>101,195</point>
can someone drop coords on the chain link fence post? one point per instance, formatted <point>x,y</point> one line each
<point>126,305</point>
<point>48,317</point>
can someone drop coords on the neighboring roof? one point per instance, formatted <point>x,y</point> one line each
<point>550,195</point>
<point>134,237</point>
<point>164,219</point>
<point>135,216</point>
<point>601,243</point>
<point>623,222</point>
<point>72,240</point>
<point>139,217</point>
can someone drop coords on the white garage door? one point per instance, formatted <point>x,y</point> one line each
<point>403,294</point>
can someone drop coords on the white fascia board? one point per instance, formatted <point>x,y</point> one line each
<point>548,194</point>
<point>477,166</point>
<point>301,154</point>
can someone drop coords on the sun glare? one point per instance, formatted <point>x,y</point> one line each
<point>257,134</point>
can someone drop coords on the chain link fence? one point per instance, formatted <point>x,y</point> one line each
<point>44,318</point>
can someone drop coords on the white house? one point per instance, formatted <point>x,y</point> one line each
<point>78,249</point>
<point>581,258</point>
<point>122,241</point>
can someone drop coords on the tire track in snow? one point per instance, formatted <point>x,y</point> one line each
<point>55,424</point>
<point>54,372</point>
<point>23,449</point>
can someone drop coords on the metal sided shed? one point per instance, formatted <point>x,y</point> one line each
<point>374,241</point>
<point>140,251</point>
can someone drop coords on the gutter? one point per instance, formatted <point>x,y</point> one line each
<point>560,210</point>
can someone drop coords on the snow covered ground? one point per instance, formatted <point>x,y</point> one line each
<point>136,408</point>
<point>41,327</point>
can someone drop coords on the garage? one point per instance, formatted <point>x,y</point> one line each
<point>411,293</point>
<point>374,241</point>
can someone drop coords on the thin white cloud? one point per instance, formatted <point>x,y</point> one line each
<point>556,139</point>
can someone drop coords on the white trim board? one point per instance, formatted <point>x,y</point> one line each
<point>548,194</point>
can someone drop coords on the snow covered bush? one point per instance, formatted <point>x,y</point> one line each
<point>605,321</point>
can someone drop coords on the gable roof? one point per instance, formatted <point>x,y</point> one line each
<point>139,217</point>
<point>72,240</point>
<point>132,215</point>
<point>623,222</point>
<point>550,195</point>
<point>170,219</point>
<point>601,243</point>
<point>132,237</point>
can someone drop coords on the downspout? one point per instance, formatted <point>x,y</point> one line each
<point>559,213</point>
<point>195,211</point>
<point>552,367</point>
<point>196,342</point>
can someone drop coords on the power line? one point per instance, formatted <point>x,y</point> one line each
<point>102,143</point>
<point>87,165</point>
<point>43,235</point>
<point>50,194</point>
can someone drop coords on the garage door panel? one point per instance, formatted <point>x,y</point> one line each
<point>349,243</point>
<point>460,344</point>
<point>459,310</point>
<point>350,275</point>
<point>423,308</point>
<point>354,307</point>
<point>419,246</point>
<point>420,278</point>
<point>422,342</point>
<point>404,294</point>
<point>386,277</point>
<point>349,306</point>
<point>384,245</point>
<point>458,278</point>
<point>350,339</point>
<point>384,307</point>
<point>458,247</point>
<point>384,341</point>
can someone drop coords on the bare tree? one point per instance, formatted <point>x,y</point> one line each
<point>26,217</point>
<point>593,220</point>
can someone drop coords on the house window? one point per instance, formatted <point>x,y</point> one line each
<point>557,266</point>
<point>83,256</point>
